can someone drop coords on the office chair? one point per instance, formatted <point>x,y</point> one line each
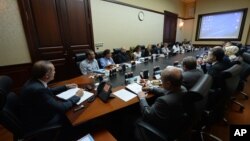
<point>9,116</point>
<point>231,78</point>
<point>148,132</point>
<point>201,116</point>
<point>243,77</point>
<point>246,57</point>
<point>79,57</point>
<point>116,50</point>
<point>99,55</point>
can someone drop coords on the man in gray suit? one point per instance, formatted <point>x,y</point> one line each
<point>166,113</point>
<point>190,73</point>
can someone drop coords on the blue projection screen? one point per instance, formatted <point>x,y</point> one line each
<point>221,26</point>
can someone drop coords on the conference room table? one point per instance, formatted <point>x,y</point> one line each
<point>98,108</point>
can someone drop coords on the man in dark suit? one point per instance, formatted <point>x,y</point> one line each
<point>122,56</point>
<point>38,105</point>
<point>190,73</point>
<point>216,99</point>
<point>166,113</point>
<point>216,58</point>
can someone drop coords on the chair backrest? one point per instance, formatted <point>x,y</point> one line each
<point>79,57</point>
<point>231,78</point>
<point>116,50</point>
<point>9,111</point>
<point>246,57</point>
<point>198,95</point>
<point>147,132</point>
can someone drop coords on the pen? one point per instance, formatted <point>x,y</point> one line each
<point>79,108</point>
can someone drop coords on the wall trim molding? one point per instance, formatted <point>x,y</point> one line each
<point>133,6</point>
<point>141,8</point>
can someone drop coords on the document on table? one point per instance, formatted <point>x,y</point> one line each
<point>124,95</point>
<point>134,87</point>
<point>71,92</point>
<point>87,137</point>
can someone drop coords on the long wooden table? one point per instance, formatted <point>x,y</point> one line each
<point>98,108</point>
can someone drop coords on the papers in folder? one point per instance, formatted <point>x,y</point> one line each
<point>124,95</point>
<point>87,137</point>
<point>134,87</point>
<point>71,92</point>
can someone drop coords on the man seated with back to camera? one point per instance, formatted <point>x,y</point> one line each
<point>122,56</point>
<point>216,99</point>
<point>190,72</point>
<point>218,64</point>
<point>106,60</point>
<point>38,105</point>
<point>166,113</point>
<point>89,65</point>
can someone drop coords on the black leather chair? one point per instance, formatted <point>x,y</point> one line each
<point>201,116</point>
<point>79,57</point>
<point>9,116</point>
<point>231,78</point>
<point>148,132</point>
<point>246,57</point>
<point>245,72</point>
<point>99,55</point>
<point>116,50</point>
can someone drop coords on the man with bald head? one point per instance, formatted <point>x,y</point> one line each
<point>38,104</point>
<point>167,111</point>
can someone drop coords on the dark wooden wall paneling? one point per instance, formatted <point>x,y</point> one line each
<point>19,74</point>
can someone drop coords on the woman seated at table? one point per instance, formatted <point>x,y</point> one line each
<point>137,53</point>
<point>89,64</point>
<point>107,60</point>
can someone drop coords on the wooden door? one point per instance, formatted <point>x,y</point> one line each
<point>170,24</point>
<point>56,30</point>
<point>78,27</point>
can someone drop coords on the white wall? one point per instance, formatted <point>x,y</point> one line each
<point>117,25</point>
<point>180,31</point>
<point>13,45</point>
<point>188,29</point>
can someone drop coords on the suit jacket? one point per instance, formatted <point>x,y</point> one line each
<point>190,77</point>
<point>122,57</point>
<point>38,105</point>
<point>215,71</point>
<point>167,111</point>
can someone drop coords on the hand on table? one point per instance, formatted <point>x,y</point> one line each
<point>79,93</point>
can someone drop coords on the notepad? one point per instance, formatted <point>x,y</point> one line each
<point>134,87</point>
<point>87,137</point>
<point>71,92</point>
<point>124,95</point>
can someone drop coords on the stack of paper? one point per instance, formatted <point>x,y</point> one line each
<point>124,95</point>
<point>134,87</point>
<point>71,92</point>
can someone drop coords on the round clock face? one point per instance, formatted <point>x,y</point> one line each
<point>141,16</point>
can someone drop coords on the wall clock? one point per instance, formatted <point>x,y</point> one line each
<point>141,16</point>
